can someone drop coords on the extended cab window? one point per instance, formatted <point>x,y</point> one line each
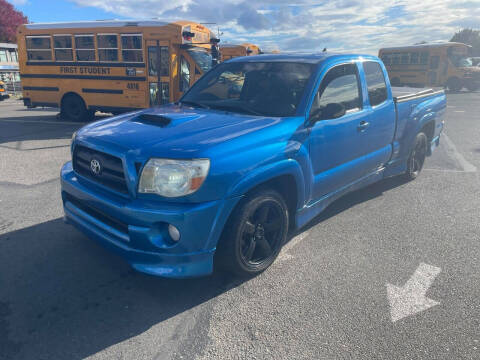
<point>339,87</point>
<point>377,88</point>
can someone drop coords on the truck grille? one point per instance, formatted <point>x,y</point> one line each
<point>110,169</point>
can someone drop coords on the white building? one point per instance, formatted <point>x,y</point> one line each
<point>9,73</point>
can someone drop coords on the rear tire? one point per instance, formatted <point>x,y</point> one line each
<point>454,84</point>
<point>254,234</point>
<point>417,156</point>
<point>73,109</point>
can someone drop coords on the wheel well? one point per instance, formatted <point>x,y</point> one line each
<point>71,93</point>
<point>286,186</point>
<point>429,130</point>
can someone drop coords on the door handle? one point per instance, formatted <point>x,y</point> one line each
<point>363,125</point>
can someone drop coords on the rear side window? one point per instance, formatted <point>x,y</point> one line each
<point>339,86</point>
<point>377,88</point>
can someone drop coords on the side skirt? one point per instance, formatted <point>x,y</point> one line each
<point>311,210</point>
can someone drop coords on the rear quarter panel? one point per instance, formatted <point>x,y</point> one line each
<point>412,116</point>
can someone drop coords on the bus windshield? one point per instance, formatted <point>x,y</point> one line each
<point>257,88</point>
<point>202,58</point>
<point>463,62</point>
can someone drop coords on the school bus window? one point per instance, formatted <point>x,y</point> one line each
<point>387,59</point>
<point>414,58</point>
<point>107,47</point>
<point>85,47</point>
<point>63,47</point>
<point>3,56</point>
<point>132,48</point>
<point>404,58</point>
<point>38,48</point>
<point>152,61</point>
<point>184,74</point>
<point>423,57</point>
<point>395,59</point>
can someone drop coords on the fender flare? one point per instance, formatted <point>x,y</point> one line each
<point>270,172</point>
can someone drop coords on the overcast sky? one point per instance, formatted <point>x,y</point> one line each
<point>303,25</point>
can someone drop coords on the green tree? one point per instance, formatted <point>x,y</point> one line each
<point>10,19</point>
<point>469,37</point>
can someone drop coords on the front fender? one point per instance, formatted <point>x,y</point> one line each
<point>270,172</point>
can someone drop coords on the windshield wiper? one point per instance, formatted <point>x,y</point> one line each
<point>193,103</point>
<point>236,108</point>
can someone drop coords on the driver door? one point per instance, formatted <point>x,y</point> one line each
<point>338,146</point>
<point>159,68</point>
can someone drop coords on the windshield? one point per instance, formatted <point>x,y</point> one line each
<point>260,88</point>
<point>202,58</point>
<point>463,62</point>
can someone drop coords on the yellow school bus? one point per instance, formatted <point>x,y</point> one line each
<point>110,66</point>
<point>229,51</point>
<point>439,64</point>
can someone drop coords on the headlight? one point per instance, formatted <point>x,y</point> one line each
<point>172,178</point>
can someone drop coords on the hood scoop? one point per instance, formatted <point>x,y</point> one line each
<point>153,119</point>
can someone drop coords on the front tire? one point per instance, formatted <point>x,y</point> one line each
<point>254,234</point>
<point>417,156</point>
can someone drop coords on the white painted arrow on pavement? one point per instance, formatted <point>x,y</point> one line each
<point>410,299</point>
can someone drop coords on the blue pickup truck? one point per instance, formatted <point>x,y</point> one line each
<point>258,147</point>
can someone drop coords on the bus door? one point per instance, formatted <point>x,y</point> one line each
<point>158,72</point>
<point>434,67</point>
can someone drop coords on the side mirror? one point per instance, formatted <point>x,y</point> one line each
<point>331,111</point>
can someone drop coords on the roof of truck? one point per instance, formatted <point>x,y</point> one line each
<point>312,58</point>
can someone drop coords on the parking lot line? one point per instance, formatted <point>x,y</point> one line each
<point>467,166</point>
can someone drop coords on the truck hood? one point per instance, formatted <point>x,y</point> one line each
<point>179,132</point>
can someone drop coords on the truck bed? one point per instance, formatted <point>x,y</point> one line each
<point>401,94</point>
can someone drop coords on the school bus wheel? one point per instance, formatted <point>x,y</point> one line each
<point>454,84</point>
<point>73,108</point>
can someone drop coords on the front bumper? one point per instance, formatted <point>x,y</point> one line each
<point>138,230</point>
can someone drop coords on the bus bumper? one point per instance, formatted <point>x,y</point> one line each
<point>140,234</point>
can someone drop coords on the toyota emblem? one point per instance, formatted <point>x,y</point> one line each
<point>95,167</point>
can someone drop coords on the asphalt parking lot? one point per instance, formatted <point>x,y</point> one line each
<point>335,292</point>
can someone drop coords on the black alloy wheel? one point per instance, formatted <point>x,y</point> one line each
<point>255,234</point>
<point>417,156</point>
